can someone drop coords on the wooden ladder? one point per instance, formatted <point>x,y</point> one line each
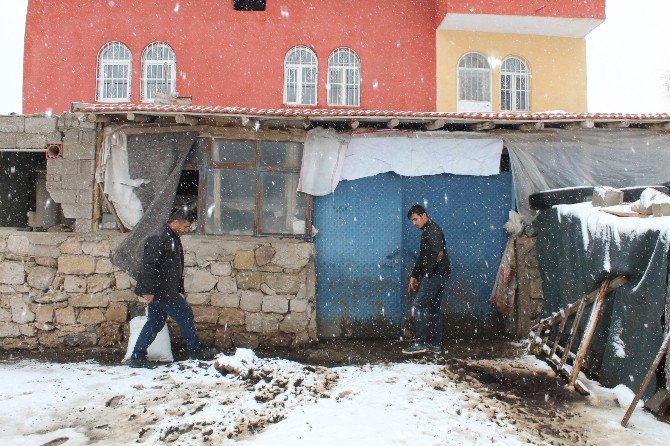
<point>542,332</point>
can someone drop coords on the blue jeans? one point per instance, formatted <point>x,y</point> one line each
<point>428,310</point>
<point>158,310</point>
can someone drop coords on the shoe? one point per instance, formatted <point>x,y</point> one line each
<point>204,354</point>
<point>435,348</point>
<point>415,348</point>
<point>141,363</point>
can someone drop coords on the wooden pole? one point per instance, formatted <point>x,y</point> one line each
<point>573,331</point>
<point>647,379</point>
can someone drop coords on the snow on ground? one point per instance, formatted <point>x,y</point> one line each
<point>252,401</point>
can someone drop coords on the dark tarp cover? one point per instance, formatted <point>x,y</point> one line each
<point>576,251</point>
<point>158,158</point>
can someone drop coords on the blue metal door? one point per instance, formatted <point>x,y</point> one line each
<point>358,255</point>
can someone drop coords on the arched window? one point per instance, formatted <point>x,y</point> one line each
<point>474,83</point>
<point>344,78</point>
<point>114,71</point>
<point>300,76</point>
<point>159,71</point>
<point>514,91</point>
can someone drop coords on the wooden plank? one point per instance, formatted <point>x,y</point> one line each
<point>112,209</point>
<point>647,379</point>
<point>590,330</point>
<point>573,331</point>
<point>559,334</point>
<point>97,188</point>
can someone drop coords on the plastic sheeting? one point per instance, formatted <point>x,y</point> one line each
<point>590,157</point>
<point>405,153</point>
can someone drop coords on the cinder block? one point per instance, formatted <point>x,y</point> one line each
<point>7,140</point>
<point>86,167</point>
<point>77,152</point>
<point>64,196</point>
<point>41,124</point>
<point>54,138</point>
<point>77,182</point>
<point>30,141</point>
<point>84,225</point>
<point>11,124</point>
<point>62,166</point>
<point>77,211</point>
<point>660,402</point>
<point>85,197</point>
<point>607,196</point>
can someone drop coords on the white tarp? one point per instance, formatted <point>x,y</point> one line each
<point>405,153</point>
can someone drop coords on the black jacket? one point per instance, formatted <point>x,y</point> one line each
<point>162,265</point>
<point>432,243</point>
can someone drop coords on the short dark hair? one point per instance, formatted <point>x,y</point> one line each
<point>181,213</point>
<point>416,209</point>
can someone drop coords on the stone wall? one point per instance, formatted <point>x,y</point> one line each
<point>61,289</point>
<point>529,295</point>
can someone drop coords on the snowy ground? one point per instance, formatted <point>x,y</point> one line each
<point>431,401</point>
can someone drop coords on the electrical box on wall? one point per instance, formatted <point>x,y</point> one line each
<point>249,5</point>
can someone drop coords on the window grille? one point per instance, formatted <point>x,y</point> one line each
<point>114,71</point>
<point>159,71</point>
<point>344,78</point>
<point>514,88</point>
<point>300,77</point>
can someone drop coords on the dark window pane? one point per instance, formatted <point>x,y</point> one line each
<point>283,206</point>
<point>233,151</point>
<point>230,202</point>
<point>283,154</point>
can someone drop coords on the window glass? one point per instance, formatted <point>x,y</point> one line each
<point>230,202</point>
<point>280,154</point>
<point>233,151</point>
<point>283,207</point>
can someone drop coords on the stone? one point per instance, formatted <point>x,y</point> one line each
<point>90,316</point>
<point>46,261</point>
<point>264,255</point>
<point>109,334</point>
<point>205,314</point>
<point>12,273</point>
<point>197,298</point>
<point>104,266</point>
<point>48,339</point>
<point>292,255</point>
<point>221,268</point>
<point>21,312</point>
<point>22,343</point>
<point>41,277</point>
<point>74,284</point>
<point>96,249</point>
<point>246,340</point>
<point>227,285</point>
<point>122,280</point>
<point>283,283</point>
<point>254,322</point>
<point>79,265</point>
<point>57,283</point>
<point>606,196</point>
<point>71,245</point>
<point>65,316</point>
<point>231,316</point>
<point>27,329</point>
<point>293,323</point>
<point>44,313</point>
<point>9,330</point>
<point>298,305</point>
<point>270,323</point>
<point>267,290</point>
<point>249,280</point>
<point>5,315</point>
<point>251,301</point>
<point>122,296</point>
<point>199,281</point>
<point>99,282</point>
<point>244,260</point>
<point>226,300</point>
<point>275,304</point>
<point>117,312</point>
<point>89,300</point>
<point>190,259</point>
<point>51,297</point>
<point>83,339</point>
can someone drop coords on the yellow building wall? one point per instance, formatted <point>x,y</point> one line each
<point>557,67</point>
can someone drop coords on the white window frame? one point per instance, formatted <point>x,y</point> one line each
<point>168,65</point>
<point>338,91</point>
<point>522,73</point>
<point>299,69</point>
<point>114,55</point>
<point>473,105</point>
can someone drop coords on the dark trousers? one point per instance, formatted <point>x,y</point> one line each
<point>428,310</point>
<point>158,310</point>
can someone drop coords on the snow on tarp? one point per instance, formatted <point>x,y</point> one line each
<point>329,157</point>
<point>578,246</point>
<point>595,157</point>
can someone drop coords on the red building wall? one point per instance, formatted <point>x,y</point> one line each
<point>231,58</point>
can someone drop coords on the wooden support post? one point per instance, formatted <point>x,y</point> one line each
<point>436,125</point>
<point>590,330</point>
<point>97,188</point>
<point>647,379</point>
<point>182,119</point>
<point>573,331</point>
<point>393,123</point>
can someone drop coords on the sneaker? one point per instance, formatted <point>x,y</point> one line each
<point>435,348</point>
<point>141,363</point>
<point>204,354</point>
<point>415,348</point>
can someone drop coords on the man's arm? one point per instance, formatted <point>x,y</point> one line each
<point>153,253</point>
<point>435,252</point>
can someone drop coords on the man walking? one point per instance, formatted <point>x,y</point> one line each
<point>429,276</point>
<point>161,284</point>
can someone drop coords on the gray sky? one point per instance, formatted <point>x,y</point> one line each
<point>627,56</point>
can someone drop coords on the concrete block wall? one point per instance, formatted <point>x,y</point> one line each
<point>28,132</point>
<point>61,290</point>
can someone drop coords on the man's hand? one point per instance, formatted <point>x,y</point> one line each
<point>148,297</point>
<point>413,285</point>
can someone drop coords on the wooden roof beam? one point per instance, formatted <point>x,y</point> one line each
<point>436,125</point>
<point>183,119</point>
<point>613,124</point>
<point>139,118</point>
<point>480,126</point>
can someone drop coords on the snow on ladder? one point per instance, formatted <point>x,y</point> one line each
<point>541,333</point>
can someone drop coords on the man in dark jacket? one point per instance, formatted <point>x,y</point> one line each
<point>161,284</point>
<point>429,276</point>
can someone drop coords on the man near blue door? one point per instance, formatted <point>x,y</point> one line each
<point>161,284</point>
<point>428,280</point>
